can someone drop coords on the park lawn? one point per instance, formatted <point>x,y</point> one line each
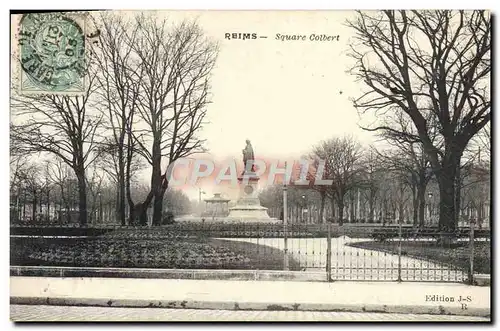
<point>457,256</point>
<point>144,249</point>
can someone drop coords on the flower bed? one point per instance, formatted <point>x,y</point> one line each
<point>146,248</point>
<point>168,247</point>
<point>139,254</point>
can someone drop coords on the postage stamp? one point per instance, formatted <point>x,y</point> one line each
<point>51,53</point>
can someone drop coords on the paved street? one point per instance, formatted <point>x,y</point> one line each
<point>59,313</point>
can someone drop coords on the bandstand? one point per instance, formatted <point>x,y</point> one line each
<point>216,206</point>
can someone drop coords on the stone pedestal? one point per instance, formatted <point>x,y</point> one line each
<point>248,205</point>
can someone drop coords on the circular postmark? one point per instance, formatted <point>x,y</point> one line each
<point>52,51</point>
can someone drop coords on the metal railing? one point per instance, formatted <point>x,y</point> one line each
<point>393,253</point>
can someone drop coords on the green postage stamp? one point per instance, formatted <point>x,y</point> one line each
<point>51,53</point>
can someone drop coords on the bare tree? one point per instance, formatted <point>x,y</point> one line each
<point>95,185</point>
<point>476,189</point>
<point>271,197</point>
<point>173,95</point>
<point>427,62</point>
<point>371,175</point>
<point>18,190</point>
<point>413,166</point>
<point>482,144</point>
<point>119,72</point>
<point>341,157</point>
<point>108,161</point>
<point>17,169</point>
<point>177,202</point>
<point>33,185</point>
<point>320,154</point>
<point>63,126</point>
<point>395,196</point>
<point>59,175</point>
<point>17,164</point>
<point>409,159</point>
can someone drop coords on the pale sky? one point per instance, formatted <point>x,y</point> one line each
<point>282,95</point>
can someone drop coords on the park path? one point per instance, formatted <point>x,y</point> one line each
<point>354,263</point>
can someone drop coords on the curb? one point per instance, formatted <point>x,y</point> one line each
<point>225,305</point>
<point>482,279</point>
<point>198,274</point>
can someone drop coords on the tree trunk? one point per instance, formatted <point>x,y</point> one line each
<point>48,204</point>
<point>352,209</point>
<point>139,211</point>
<point>40,202</point>
<point>117,201</point>
<point>447,215</point>
<point>82,198</point>
<point>157,209</point>
<point>24,206</point>
<point>401,211</point>
<point>34,203</point>
<point>414,204</point>
<point>480,216</point>
<point>121,188</point>
<point>60,212</point>
<point>128,174</point>
<point>446,172</point>
<point>322,207</point>
<point>384,212</point>
<point>400,218</point>
<point>371,204</point>
<point>68,207</point>
<point>332,206</point>
<point>156,183</point>
<point>447,179</point>
<point>421,205</point>
<point>340,205</point>
<point>82,190</point>
<point>458,192</point>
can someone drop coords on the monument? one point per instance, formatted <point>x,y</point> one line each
<point>248,205</point>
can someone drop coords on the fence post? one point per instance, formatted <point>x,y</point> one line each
<point>329,253</point>
<point>471,246</point>
<point>400,235</point>
<point>285,235</point>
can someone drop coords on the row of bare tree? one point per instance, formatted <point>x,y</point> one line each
<point>48,192</point>
<point>147,88</point>
<point>390,185</point>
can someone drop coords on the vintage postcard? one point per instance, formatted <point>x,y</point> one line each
<point>250,166</point>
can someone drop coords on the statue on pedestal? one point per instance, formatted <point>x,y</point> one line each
<point>248,207</point>
<point>248,156</point>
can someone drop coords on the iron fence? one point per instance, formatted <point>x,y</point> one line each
<point>392,253</point>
